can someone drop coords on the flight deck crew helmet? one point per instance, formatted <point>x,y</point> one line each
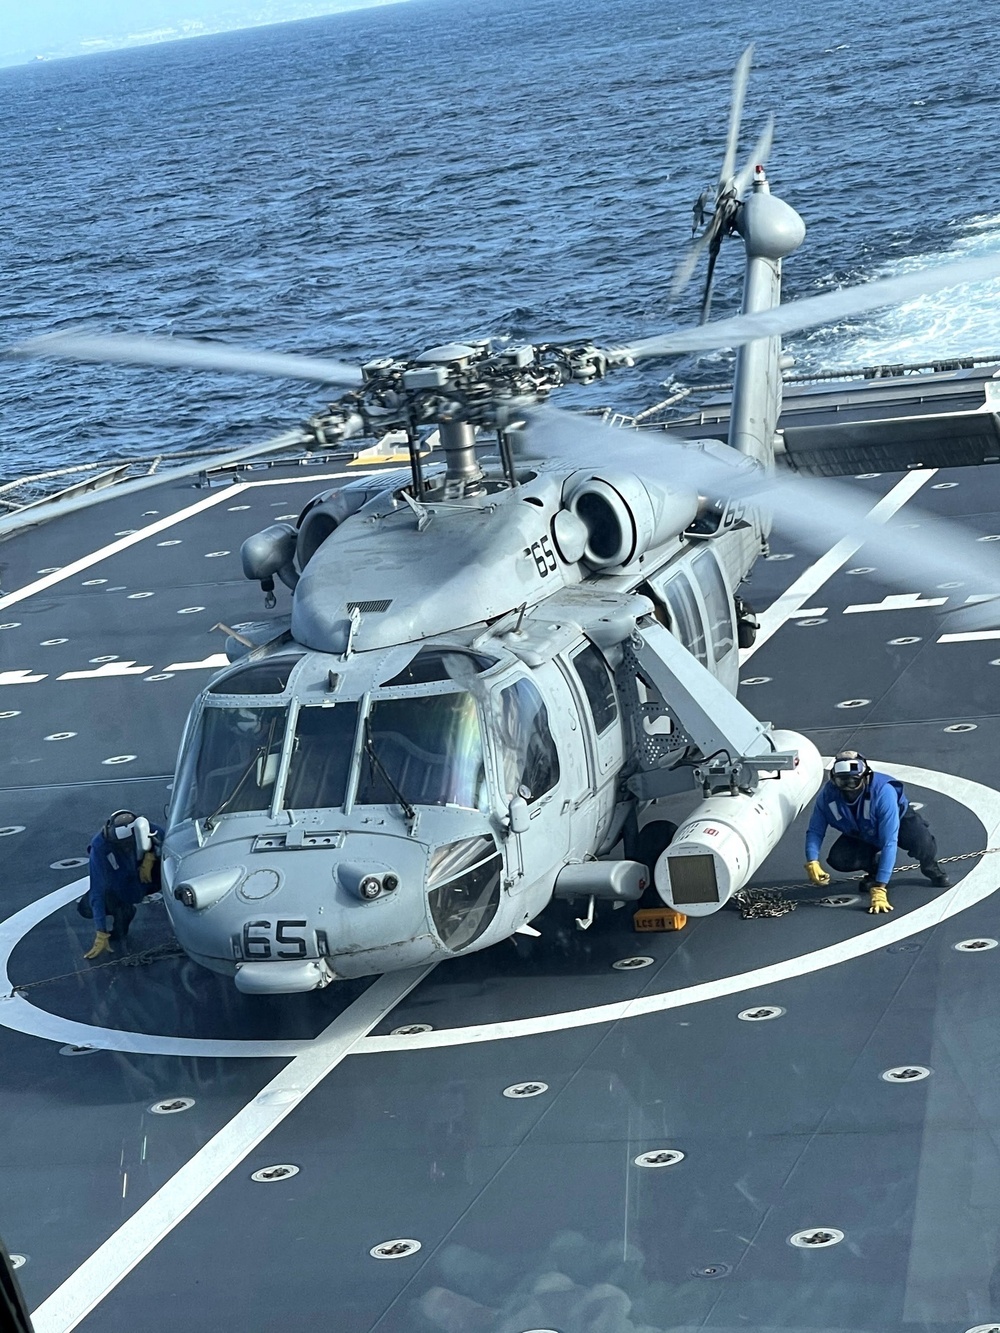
<point>850,773</point>
<point>119,826</point>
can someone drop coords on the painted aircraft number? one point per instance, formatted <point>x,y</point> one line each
<point>257,941</point>
<point>543,556</point>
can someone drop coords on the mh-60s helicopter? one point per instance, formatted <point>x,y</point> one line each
<point>496,664</point>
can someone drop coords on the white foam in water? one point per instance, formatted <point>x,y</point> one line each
<point>959,321</point>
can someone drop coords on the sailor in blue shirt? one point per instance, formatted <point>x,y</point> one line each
<point>874,818</point>
<point>124,867</point>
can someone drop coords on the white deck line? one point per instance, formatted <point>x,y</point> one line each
<point>128,1246</point>
<point>812,579</point>
<point>162,525</point>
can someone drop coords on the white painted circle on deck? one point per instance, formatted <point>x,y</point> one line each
<point>18,1260</point>
<point>138,596</point>
<point>213,555</point>
<point>907,639</point>
<point>93,583</point>
<point>944,485</point>
<point>990,537</point>
<point>9,830</point>
<point>96,661</point>
<point>68,863</point>
<point>189,610</point>
<point>906,1074</point>
<point>980,944</point>
<point>11,712</point>
<point>51,643</point>
<point>980,883</point>
<point>160,675</point>
<point>174,541</point>
<point>61,736</point>
<point>854,703</point>
<point>11,624</point>
<point>120,759</point>
<point>862,569</point>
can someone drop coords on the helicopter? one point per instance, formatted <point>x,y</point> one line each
<point>501,658</point>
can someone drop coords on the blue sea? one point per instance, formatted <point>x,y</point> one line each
<point>383,180</point>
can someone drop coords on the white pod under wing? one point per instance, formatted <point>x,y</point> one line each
<point>727,838</point>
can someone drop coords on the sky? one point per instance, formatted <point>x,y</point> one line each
<point>29,28</point>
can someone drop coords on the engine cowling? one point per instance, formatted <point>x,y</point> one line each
<point>625,516</point>
<point>330,509</point>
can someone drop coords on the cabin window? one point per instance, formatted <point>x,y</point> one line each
<point>464,889</point>
<point>717,602</point>
<point>321,757</point>
<point>269,676</point>
<point>597,686</point>
<point>437,664</point>
<point>231,763</point>
<point>685,618</point>
<point>529,756</point>
<point>429,748</point>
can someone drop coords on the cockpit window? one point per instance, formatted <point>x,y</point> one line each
<point>530,760</point>
<point>436,664</point>
<point>231,763</point>
<point>431,748</point>
<point>321,757</point>
<point>267,677</point>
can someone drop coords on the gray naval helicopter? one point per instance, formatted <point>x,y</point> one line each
<point>500,659</point>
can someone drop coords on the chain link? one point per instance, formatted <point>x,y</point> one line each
<point>170,949</point>
<point>757,904</point>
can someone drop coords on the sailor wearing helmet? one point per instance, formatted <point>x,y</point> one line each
<point>124,865</point>
<point>871,813</point>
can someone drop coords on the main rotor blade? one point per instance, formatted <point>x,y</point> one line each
<point>758,158</point>
<point>815,310</point>
<point>740,78</point>
<point>816,512</point>
<point>132,350</point>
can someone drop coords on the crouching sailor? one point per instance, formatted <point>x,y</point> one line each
<point>124,867</point>
<point>871,813</point>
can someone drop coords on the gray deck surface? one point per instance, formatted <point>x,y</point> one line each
<point>531,1214</point>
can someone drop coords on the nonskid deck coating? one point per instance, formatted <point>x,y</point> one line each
<point>785,1124</point>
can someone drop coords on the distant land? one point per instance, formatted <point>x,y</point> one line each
<point>228,20</point>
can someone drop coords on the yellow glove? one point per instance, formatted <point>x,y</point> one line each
<point>879,902</point>
<point>102,944</point>
<point>816,873</point>
<point>146,868</point>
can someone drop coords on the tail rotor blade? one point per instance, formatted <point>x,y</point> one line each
<point>761,152</point>
<point>740,78</point>
<point>685,269</point>
<point>126,349</point>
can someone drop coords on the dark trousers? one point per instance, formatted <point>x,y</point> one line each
<point>123,913</point>
<point>915,838</point>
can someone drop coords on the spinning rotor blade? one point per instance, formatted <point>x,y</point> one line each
<point>758,158</point>
<point>816,512</point>
<point>741,76</point>
<point>814,310</point>
<point>126,349</point>
<point>685,269</point>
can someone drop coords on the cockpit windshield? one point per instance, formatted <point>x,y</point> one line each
<point>431,750</point>
<point>321,757</point>
<point>231,763</point>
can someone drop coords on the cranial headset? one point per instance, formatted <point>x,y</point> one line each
<point>119,825</point>
<point>850,773</point>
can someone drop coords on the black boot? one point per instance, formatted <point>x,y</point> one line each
<point>938,877</point>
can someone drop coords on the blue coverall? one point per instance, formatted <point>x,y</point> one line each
<point>872,826</point>
<point>115,886</point>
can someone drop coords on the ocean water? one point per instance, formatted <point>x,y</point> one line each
<point>380,181</point>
